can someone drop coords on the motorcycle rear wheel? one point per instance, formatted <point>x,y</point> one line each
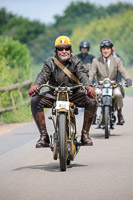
<point>62,141</point>
<point>107,121</point>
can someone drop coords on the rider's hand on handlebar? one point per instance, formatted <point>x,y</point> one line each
<point>33,90</point>
<point>90,91</point>
<point>128,82</point>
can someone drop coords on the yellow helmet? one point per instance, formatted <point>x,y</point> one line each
<point>63,40</point>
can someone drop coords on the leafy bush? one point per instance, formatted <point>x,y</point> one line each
<point>14,67</point>
<point>17,57</point>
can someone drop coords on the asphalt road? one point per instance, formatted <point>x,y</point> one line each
<point>101,172</point>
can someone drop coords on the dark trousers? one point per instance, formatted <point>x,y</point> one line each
<point>46,100</point>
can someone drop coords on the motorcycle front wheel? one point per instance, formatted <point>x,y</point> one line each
<point>62,141</point>
<point>107,121</point>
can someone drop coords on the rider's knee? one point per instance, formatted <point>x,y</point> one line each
<point>98,91</point>
<point>117,92</point>
<point>92,106</point>
<point>33,101</point>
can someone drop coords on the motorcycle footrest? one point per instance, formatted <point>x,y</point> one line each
<point>100,127</point>
<point>51,147</point>
<point>78,144</point>
<point>81,144</point>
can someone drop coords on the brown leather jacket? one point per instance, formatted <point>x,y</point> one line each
<point>55,76</point>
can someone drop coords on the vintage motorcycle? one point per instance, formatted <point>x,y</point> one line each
<point>107,104</point>
<point>63,141</point>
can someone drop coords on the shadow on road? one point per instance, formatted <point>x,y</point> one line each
<point>102,136</point>
<point>51,167</point>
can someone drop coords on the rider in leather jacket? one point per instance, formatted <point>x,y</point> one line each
<point>84,47</point>
<point>52,74</point>
<point>86,58</point>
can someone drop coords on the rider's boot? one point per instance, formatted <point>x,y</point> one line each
<point>121,120</point>
<point>40,122</point>
<point>88,120</point>
<point>94,120</point>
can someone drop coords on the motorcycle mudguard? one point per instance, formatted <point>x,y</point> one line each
<point>62,110</point>
<point>107,101</point>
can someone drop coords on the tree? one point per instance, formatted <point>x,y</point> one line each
<point>40,38</point>
<point>17,57</point>
<point>118,28</point>
<point>4,19</point>
<point>24,30</point>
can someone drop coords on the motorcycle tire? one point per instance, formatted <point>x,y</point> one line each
<point>107,121</point>
<point>62,141</point>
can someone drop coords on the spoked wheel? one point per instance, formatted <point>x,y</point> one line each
<point>62,141</point>
<point>107,121</point>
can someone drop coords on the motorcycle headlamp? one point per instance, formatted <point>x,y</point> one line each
<point>107,83</point>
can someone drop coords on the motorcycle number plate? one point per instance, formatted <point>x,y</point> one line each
<point>62,104</point>
<point>107,91</point>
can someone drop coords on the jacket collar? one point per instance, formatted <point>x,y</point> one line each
<point>108,59</point>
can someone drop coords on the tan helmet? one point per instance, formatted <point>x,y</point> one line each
<point>62,41</point>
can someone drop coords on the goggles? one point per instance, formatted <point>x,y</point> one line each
<point>106,44</point>
<point>63,48</point>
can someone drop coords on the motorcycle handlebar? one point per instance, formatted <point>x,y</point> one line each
<point>45,85</point>
<point>54,88</point>
<point>100,83</point>
<point>124,84</point>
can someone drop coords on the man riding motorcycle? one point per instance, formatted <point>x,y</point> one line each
<point>86,58</point>
<point>108,66</point>
<point>84,47</point>
<point>56,77</point>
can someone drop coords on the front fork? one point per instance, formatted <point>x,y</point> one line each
<point>108,101</point>
<point>73,146</point>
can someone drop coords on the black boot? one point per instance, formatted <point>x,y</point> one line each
<point>94,121</point>
<point>121,120</point>
<point>40,122</point>
<point>88,120</point>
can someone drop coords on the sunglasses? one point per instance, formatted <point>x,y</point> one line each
<point>62,48</point>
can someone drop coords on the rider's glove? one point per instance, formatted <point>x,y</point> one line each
<point>128,82</point>
<point>33,90</point>
<point>90,91</point>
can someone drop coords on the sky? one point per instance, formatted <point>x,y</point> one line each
<point>45,10</point>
